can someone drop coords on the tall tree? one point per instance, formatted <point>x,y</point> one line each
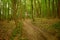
<point>48,8</point>
<point>32,9</point>
<point>14,8</point>
<point>38,8</point>
<point>0,9</point>
<point>18,22</point>
<point>58,9</point>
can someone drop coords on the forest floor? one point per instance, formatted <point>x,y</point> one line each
<point>39,33</point>
<point>38,30</point>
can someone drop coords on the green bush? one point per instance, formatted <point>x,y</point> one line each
<point>16,31</point>
<point>56,25</point>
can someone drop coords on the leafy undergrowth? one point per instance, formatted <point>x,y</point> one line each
<point>56,26</point>
<point>17,31</point>
<point>6,29</point>
<point>51,26</point>
<point>9,30</point>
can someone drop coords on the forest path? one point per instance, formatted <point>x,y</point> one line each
<point>29,31</point>
<point>35,33</point>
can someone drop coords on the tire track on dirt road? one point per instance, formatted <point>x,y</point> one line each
<point>35,33</point>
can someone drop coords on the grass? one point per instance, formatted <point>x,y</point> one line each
<point>16,31</point>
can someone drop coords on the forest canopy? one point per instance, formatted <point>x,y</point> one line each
<point>32,8</point>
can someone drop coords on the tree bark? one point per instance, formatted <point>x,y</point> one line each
<point>58,9</point>
<point>32,10</point>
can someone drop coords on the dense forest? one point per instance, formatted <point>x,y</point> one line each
<point>29,19</point>
<point>31,8</point>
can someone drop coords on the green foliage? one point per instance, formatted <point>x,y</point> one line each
<point>56,25</point>
<point>16,31</point>
<point>41,8</point>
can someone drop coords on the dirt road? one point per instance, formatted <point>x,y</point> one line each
<point>29,31</point>
<point>34,33</point>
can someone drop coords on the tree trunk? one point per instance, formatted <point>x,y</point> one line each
<point>0,11</point>
<point>58,9</point>
<point>48,9</point>
<point>32,12</point>
<point>53,8</point>
<point>39,9</point>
